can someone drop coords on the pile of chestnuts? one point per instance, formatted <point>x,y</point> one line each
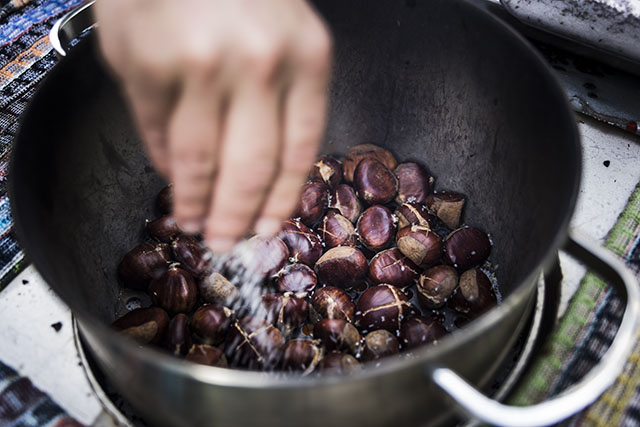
<point>374,264</point>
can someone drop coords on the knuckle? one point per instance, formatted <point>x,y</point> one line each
<point>201,60</point>
<point>299,158</point>
<point>262,56</point>
<point>316,50</point>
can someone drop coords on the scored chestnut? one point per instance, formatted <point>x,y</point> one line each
<point>331,303</point>
<point>366,151</point>
<point>264,256</point>
<point>339,363</point>
<point>301,355</point>
<point>304,244</point>
<point>447,206</point>
<point>338,334</point>
<point>342,266</point>
<point>164,229</point>
<point>143,263</point>
<point>191,254</point>
<point>336,230</point>
<point>474,295</point>
<point>297,278</point>
<point>254,343</point>
<point>382,307</point>
<point>145,325</point>
<point>178,338</point>
<point>376,228</point>
<point>314,201</point>
<point>414,183</point>
<point>436,285</point>
<point>466,247</point>
<point>392,267</point>
<point>215,288</point>
<point>378,344</point>
<point>210,323</point>
<point>175,290</point>
<point>413,214</point>
<point>420,244</point>
<point>374,183</point>
<point>327,170</point>
<point>164,200</point>
<point>344,199</point>
<point>285,311</point>
<point>207,355</point>
<point>420,330</point>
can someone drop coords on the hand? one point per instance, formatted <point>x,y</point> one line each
<point>230,99</point>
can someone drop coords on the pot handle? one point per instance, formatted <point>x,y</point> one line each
<point>70,26</point>
<point>577,397</point>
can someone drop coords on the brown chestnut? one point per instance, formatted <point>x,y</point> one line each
<point>436,285</point>
<point>420,244</point>
<point>338,334</point>
<point>366,151</point>
<point>304,244</point>
<point>466,247</point>
<point>210,323</point>
<point>420,330</point>
<point>382,307</point>
<point>164,229</point>
<point>327,170</point>
<point>285,311</point>
<point>254,343</point>
<point>178,339</point>
<point>413,214</point>
<point>314,201</point>
<point>301,355</point>
<point>264,256</point>
<point>215,288</point>
<point>143,263</point>
<point>392,267</point>
<point>376,228</point>
<point>331,303</point>
<point>207,355</point>
<point>374,183</point>
<point>344,199</point>
<point>175,290</point>
<point>378,344</point>
<point>297,278</point>
<point>447,206</point>
<point>474,295</point>
<point>336,230</point>
<point>192,255</point>
<point>343,267</point>
<point>164,200</point>
<point>339,363</point>
<point>414,183</point>
<point>145,325</point>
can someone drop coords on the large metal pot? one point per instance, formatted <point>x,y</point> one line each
<point>438,81</point>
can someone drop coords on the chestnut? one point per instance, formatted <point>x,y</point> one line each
<point>331,303</point>
<point>436,285</point>
<point>297,278</point>
<point>447,206</point>
<point>392,267</point>
<point>215,288</point>
<point>414,183</point>
<point>344,199</point>
<point>327,170</point>
<point>342,266</point>
<point>301,355</point>
<point>254,343</point>
<point>339,363</point>
<point>374,183</point>
<point>420,330</point>
<point>420,244</point>
<point>474,295</point>
<point>337,334</point>
<point>466,247</point>
<point>366,151</point>
<point>336,230</point>
<point>143,263</point>
<point>378,344</point>
<point>175,290</point>
<point>314,201</point>
<point>264,256</point>
<point>210,323</point>
<point>192,255</point>
<point>145,325</point>
<point>164,229</point>
<point>382,307</point>
<point>207,355</point>
<point>178,339</point>
<point>304,244</point>
<point>376,228</point>
<point>164,200</point>
<point>285,311</point>
<point>413,214</point>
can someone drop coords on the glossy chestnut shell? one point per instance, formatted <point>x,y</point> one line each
<point>474,295</point>
<point>301,355</point>
<point>345,200</point>
<point>254,343</point>
<point>339,363</point>
<point>192,255</point>
<point>338,335</point>
<point>413,214</point>
<point>365,151</point>
<point>178,336</point>
<point>374,182</point>
<point>343,267</point>
<point>285,311</point>
<point>164,229</point>
<point>382,307</point>
<point>466,247</point>
<point>210,323</point>
<point>297,278</point>
<point>336,230</point>
<point>207,355</point>
<point>417,331</point>
<point>376,228</point>
<point>164,200</point>
<point>328,170</point>
<point>447,206</point>
<point>145,325</point>
<point>304,244</point>
<point>175,291</point>
<point>314,201</point>
<point>420,244</point>
<point>331,303</point>
<point>414,183</point>
<point>392,267</point>
<point>436,285</point>
<point>143,263</point>
<point>379,344</point>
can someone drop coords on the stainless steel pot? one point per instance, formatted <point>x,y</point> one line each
<point>439,81</point>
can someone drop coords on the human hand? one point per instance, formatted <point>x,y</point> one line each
<point>230,99</point>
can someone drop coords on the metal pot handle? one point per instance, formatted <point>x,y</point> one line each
<point>577,397</point>
<point>70,26</point>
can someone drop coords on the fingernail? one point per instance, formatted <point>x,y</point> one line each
<point>221,244</point>
<point>191,226</point>
<point>268,226</point>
